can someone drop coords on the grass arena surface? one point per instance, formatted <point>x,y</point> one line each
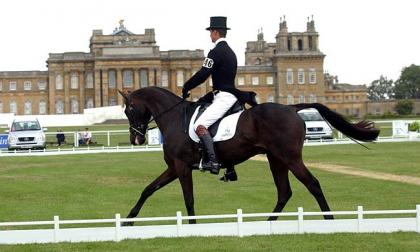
<point>100,185</point>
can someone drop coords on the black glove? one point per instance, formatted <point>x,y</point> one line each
<point>185,93</point>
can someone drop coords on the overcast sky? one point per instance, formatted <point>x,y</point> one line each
<point>361,39</point>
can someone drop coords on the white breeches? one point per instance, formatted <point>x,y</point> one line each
<point>222,102</point>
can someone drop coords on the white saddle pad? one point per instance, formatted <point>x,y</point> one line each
<point>226,130</point>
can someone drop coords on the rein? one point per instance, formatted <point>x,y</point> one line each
<point>137,129</point>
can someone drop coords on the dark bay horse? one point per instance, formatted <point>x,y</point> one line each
<point>269,128</point>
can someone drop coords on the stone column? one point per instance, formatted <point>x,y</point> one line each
<point>66,83</point>
<point>82,87</point>
<point>150,77</point>
<point>51,93</point>
<point>97,88</point>
<point>158,77</point>
<point>105,85</point>
<point>119,85</point>
<point>136,79</point>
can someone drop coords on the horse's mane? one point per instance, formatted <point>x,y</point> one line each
<point>161,91</point>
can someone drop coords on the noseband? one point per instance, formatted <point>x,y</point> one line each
<point>135,128</point>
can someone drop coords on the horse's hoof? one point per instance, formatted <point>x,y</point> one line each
<point>229,176</point>
<point>127,224</point>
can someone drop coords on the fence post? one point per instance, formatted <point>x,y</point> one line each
<point>56,227</point>
<point>240,220</point>
<point>359,218</point>
<point>109,139</point>
<point>178,223</point>
<point>117,227</point>
<point>76,139</point>
<point>300,220</point>
<point>418,218</point>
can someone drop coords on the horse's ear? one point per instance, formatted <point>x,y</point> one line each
<point>123,94</point>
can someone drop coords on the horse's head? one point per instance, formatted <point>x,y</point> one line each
<point>138,117</point>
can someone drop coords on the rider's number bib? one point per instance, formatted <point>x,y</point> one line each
<point>208,63</point>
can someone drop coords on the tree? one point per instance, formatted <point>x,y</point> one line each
<point>381,89</point>
<point>408,85</point>
<point>404,107</point>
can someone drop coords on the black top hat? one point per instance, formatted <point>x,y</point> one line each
<point>217,23</point>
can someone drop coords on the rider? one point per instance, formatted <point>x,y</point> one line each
<point>221,64</point>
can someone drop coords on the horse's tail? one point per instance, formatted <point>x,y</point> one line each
<point>363,130</point>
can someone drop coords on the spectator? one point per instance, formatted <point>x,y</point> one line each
<point>87,136</point>
<point>80,137</point>
<point>61,138</point>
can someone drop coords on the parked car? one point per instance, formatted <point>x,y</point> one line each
<point>26,134</point>
<point>316,126</point>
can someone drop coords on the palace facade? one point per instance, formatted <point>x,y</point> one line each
<point>288,70</point>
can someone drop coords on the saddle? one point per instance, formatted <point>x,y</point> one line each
<point>202,104</point>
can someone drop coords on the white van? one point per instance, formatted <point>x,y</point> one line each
<point>316,127</point>
<point>26,134</point>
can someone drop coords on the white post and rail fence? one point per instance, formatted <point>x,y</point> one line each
<point>380,221</point>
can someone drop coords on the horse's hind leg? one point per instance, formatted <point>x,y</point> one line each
<point>281,179</point>
<point>312,184</point>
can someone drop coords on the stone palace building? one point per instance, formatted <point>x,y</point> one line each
<point>288,70</point>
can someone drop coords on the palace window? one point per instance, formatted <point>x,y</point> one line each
<point>270,80</point>
<point>180,78</point>
<point>42,85</point>
<point>1,107</point>
<point>144,78</point>
<point>58,82</point>
<point>12,86</point>
<point>13,107</point>
<point>301,76</point>
<point>289,76</point>
<point>112,101</point>
<point>312,76</point>
<point>74,106</point>
<point>42,107</point>
<point>300,45</point>
<point>301,98</point>
<point>112,81</point>
<point>1,86</point>
<point>89,80</point>
<point>165,79</point>
<point>255,80</point>
<point>241,81</point>
<point>290,99</point>
<point>312,98</point>
<point>27,108</point>
<point>74,81</point>
<point>59,107</point>
<point>27,85</point>
<point>89,102</point>
<point>127,78</point>
<point>270,98</point>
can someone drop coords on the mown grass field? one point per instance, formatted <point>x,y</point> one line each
<point>100,185</point>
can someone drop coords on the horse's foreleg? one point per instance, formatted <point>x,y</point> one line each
<point>312,184</point>
<point>165,178</point>
<point>281,179</point>
<point>185,178</point>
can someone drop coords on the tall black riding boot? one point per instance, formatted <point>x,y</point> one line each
<point>212,164</point>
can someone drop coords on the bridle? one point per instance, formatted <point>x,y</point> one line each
<point>141,128</point>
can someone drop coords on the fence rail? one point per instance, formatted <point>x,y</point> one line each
<point>239,227</point>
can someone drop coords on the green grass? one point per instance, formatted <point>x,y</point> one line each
<point>397,158</point>
<point>100,185</point>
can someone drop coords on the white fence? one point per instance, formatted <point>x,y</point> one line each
<point>115,149</point>
<point>239,227</point>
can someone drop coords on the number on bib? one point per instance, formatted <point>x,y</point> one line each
<point>208,63</point>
